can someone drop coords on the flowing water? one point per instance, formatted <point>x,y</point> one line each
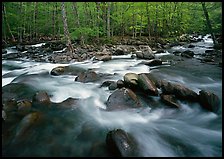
<point>162,131</point>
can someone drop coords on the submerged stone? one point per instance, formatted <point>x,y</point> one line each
<point>121,144</point>
<point>209,100</point>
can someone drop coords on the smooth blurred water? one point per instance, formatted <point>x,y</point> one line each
<point>161,131</point>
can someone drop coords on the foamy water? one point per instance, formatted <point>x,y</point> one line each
<point>159,131</point>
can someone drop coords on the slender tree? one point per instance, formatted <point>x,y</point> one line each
<point>208,22</point>
<point>108,19</point>
<point>6,21</point>
<point>98,20</point>
<point>148,19</point>
<point>66,32</point>
<point>77,22</point>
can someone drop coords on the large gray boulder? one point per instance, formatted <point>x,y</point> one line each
<point>131,79</point>
<point>147,85</point>
<point>209,100</point>
<point>121,99</point>
<point>179,90</point>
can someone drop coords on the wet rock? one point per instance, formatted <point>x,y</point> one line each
<point>209,51</point>
<point>147,85</point>
<point>120,143</point>
<point>88,76</point>
<point>160,51</point>
<point>21,48</point>
<point>27,124</point>
<point>191,46</point>
<point>55,46</point>
<point>4,51</point>
<point>120,84</point>
<point>145,55</point>
<point>155,80</point>
<point>10,105</point>
<point>68,103</point>
<point>122,99</point>
<point>154,62</point>
<point>139,54</point>
<point>106,83</point>
<point>188,54</point>
<point>24,107</point>
<point>11,56</point>
<point>207,59</point>
<point>113,86</point>
<point>67,70</point>
<point>131,79</point>
<point>17,91</point>
<point>119,51</point>
<point>58,70</point>
<point>176,53</point>
<point>179,91</point>
<point>41,99</point>
<point>170,100</point>
<point>209,100</point>
<point>103,57</point>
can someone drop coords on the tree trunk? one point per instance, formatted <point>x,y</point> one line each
<point>98,20</point>
<point>148,19</point>
<point>76,13</point>
<point>6,21</point>
<point>133,24</point>
<point>208,22</point>
<point>66,32</point>
<point>53,19</point>
<point>35,19</point>
<point>108,20</point>
<point>141,25</point>
<point>156,25</point>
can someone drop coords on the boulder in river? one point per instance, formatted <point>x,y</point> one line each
<point>103,57</point>
<point>17,91</point>
<point>152,78</point>
<point>147,85</point>
<point>88,76</point>
<point>69,103</point>
<point>27,124</point>
<point>209,100</point>
<point>144,55</point>
<point>131,79</point>
<point>120,83</point>
<point>121,143</point>
<point>67,70</point>
<point>24,107</point>
<point>153,62</point>
<point>119,51</point>
<point>106,83</point>
<point>113,86</point>
<point>10,105</point>
<point>123,98</point>
<point>191,46</point>
<point>41,100</point>
<point>170,100</point>
<point>179,90</point>
<point>188,54</point>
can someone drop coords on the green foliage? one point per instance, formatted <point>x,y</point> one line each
<point>166,18</point>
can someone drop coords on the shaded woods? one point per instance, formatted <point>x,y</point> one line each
<point>91,22</point>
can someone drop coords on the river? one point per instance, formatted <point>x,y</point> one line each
<point>161,132</point>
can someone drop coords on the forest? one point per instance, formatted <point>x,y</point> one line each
<point>86,21</point>
<point>112,79</point>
